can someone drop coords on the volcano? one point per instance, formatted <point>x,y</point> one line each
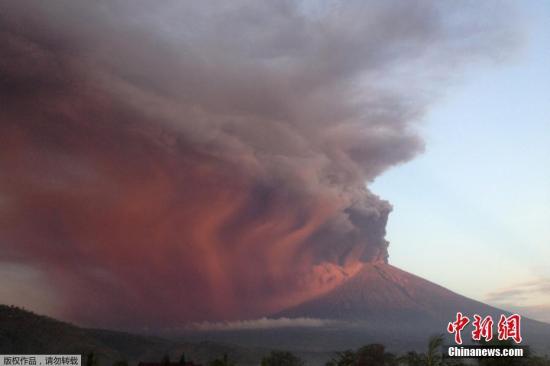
<point>379,304</point>
<point>401,308</point>
<point>381,294</point>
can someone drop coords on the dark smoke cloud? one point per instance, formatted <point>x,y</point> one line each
<point>165,162</point>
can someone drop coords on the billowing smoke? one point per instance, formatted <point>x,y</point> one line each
<point>174,161</point>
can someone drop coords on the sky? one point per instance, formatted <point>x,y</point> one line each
<point>156,152</point>
<point>482,225</point>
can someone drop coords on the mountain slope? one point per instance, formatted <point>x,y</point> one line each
<point>379,304</point>
<point>382,293</point>
<point>382,298</point>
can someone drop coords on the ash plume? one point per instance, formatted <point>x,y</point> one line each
<point>175,161</point>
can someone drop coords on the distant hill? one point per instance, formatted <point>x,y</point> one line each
<point>24,332</point>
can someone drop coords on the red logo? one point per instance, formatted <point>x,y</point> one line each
<point>508,327</point>
<point>457,326</point>
<point>483,328</point>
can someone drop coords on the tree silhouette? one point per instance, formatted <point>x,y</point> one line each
<point>224,361</point>
<point>456,362</point>
<point>344,358</point>
<point>413,358</point>
<point>282,358</point>
<point>535,360</point>
<point>433,356</point>
<point>374,355</point>
<point>91,359</point>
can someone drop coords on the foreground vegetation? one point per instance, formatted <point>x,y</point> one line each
<point>22,332</point>
<point>374,355</point>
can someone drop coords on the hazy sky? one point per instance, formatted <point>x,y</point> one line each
<point>482,225</point>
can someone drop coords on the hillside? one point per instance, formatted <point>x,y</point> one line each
<point>25,332</point>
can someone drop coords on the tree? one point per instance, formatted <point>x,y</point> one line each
<point>433,356</point>
<point>455,362</point>
<point>344,358</point>
<point>413,359</point>
<point>224,361</point>
<point>165,360</point>
<point>373,355</point>
<point>538,361</point>
<point>282,358</point>
<point>91,359</point>
<point>183,361</point>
